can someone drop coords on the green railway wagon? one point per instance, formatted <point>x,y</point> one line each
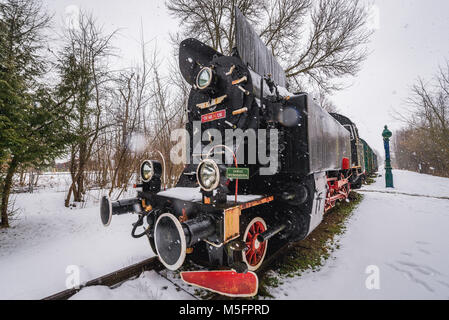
<point>370,159</point>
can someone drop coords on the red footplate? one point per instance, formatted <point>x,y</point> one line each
<point>227,283</point>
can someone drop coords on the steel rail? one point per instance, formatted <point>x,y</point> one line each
<point>112,278</point>
<point>127,273</point>
<point>117,277</point>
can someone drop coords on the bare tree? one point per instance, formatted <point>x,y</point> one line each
<point>133,96</point>
<point>326,103</point>
<point>146,108</point>
<point>316,41</point>
<point>82,65</point>
<point>424,144</point>
<point>169,116</point>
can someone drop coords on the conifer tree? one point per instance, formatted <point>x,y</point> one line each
<point>33,126</point>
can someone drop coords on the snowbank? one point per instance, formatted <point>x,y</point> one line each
<point>414,183</point>
<point>403,238</point>
<point>47,238</point>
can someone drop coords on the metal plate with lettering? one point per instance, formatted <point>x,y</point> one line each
<point>213,116</point>
<point>237,173</point>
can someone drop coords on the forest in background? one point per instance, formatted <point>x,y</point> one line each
<point>64,99</point>
<point>423,144</point>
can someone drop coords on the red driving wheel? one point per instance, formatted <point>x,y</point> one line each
<point>255,250</point>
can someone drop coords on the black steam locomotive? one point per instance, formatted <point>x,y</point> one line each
<point>226,208</point>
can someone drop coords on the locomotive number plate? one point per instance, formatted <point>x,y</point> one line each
<point>213,116</point>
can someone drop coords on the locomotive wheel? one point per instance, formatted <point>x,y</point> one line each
<point>357,185</point>
<point>255,252</point>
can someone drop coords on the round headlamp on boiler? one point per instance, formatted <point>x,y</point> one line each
<point>208,175</point>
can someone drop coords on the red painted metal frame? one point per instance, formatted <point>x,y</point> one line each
<point>228,283</point>
<point>339,190</point>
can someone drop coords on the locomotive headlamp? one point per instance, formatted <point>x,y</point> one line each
<point>204,78</point>
<point>208,175</point>
<point>150,169</point>
<point>146,171</point>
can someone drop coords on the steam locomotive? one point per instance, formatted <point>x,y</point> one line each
<point>227,206</point>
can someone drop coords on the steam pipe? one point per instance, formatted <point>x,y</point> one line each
<point>267,235</point>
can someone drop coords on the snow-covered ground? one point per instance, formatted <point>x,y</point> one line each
<point>414,184</point>
<point>149,286</point>
<point>47,239</point>
<point>395,247</point>
<point>396,241</point>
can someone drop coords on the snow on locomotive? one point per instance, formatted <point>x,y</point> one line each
<point>228,205</point>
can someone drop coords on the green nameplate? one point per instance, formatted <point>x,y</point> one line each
<point>237,173</point>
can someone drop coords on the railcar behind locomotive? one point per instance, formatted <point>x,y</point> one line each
<point>370,157</point>
<point>226,209</point>
<point>358,171</point>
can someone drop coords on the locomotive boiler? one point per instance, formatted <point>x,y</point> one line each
<point>228,205</point>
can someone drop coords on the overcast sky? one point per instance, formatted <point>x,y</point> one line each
<point>411,39</point>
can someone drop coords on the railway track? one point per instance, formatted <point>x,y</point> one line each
<point>405,194</point>
<point>112,279</point>
<point>118,277</point>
